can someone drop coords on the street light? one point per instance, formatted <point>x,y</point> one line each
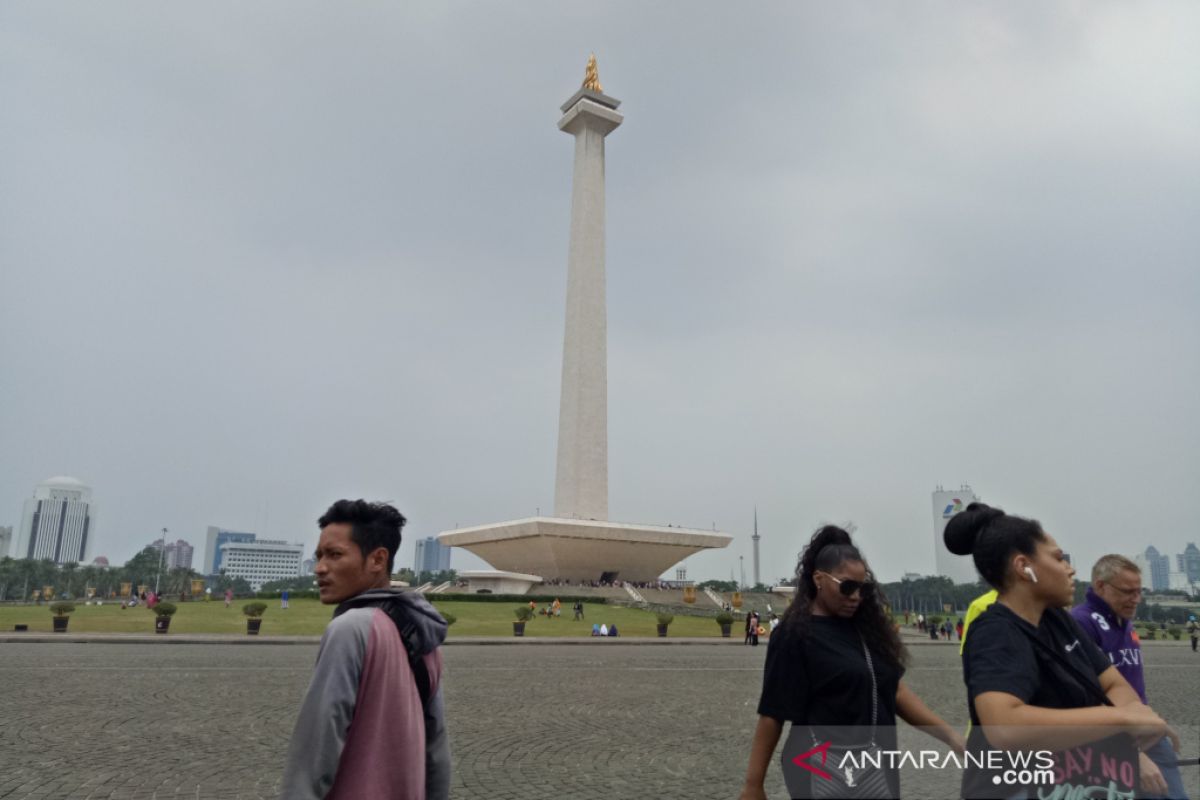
<point>162,551</point>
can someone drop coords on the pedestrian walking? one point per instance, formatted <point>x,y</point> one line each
<point>1032,675</point>
<point>372,725</point>
<point>1193,629</point>
<point>283,599</point>
<point>1106,616</point>
<point>228,597</point>
<point>834,670</point>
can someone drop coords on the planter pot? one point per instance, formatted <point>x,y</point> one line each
<point>725,629</point>
<point>20,627</point>
<point>60,624</point>
<point>518,629</point>
<point>252,626</point>
<point>161,624</point>
<point>662,631</point>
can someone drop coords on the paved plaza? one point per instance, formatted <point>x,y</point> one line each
<point>598,720</point>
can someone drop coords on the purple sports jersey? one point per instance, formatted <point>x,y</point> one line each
<point>1115,637</point>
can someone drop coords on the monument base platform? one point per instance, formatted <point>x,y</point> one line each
<point>581,550</point>
<point>489,581</point>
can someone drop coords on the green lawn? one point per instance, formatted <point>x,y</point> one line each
<point>309,617</point>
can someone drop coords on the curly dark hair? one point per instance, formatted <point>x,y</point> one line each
<point>830,547</point>
<point>372,525</point>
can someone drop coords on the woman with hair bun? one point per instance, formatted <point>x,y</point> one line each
<point>833,669</point>
<point>1034,680</point>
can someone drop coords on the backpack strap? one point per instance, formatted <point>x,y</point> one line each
<point>408,636</point>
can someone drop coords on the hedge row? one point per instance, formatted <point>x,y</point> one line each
<point>540,599</point>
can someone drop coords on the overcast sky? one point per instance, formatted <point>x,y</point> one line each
<point>257,257</point>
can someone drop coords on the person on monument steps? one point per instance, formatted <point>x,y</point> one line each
<point>835,661</point>
<point>1035,680</point>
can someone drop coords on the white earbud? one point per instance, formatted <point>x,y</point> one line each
<point>1032,575</point>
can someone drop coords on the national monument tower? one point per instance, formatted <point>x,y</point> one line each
<point>578,542</point>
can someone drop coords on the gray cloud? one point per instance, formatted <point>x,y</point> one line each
<point>257,260</point>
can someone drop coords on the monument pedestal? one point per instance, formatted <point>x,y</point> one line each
<point>583,550</point>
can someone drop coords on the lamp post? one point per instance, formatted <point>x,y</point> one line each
<point>162,551</point>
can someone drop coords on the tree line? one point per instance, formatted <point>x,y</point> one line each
<point>21,578</point>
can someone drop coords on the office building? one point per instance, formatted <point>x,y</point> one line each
<point>178,554</point>
<point>432,556</point>
<point>216,537</point>
<point>960,569</point>
<point>58,522</point>
<point>260,561</point>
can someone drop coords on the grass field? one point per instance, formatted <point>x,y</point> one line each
<point>309,617</point>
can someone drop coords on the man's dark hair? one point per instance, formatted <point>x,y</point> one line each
<point>372,525</point>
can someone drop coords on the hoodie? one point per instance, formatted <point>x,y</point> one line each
<point>363,731</point>
<point>1115,636</point>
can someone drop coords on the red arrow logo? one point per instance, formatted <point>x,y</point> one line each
<point>802,760</point>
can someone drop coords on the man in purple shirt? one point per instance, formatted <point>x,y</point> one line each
<point>1107,618</point>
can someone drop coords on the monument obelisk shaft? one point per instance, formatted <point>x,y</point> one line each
<point>581,481</point>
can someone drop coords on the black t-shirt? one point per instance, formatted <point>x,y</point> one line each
<point>999,656</point>
<point>822,678</point>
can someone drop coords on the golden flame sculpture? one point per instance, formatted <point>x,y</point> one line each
<point>591,77</point>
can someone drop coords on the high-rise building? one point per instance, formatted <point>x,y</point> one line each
<point>214,539</point>
<point>946,504</point>
<point>1158,567</point>
<point>5,540</point>
<point>432,556</point>
<point>1189,562</point>
<point>261,560</point>
<point>177,554</point>
<point>58,522</point>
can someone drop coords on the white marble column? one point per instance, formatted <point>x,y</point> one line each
<point>581,483</point>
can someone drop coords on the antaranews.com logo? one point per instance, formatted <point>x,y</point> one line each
<point>1008,768</point>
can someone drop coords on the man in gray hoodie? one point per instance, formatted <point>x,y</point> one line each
<point>372,725</point>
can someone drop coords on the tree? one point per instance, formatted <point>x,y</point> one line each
<point>68,571</point>
<point>142,568</point>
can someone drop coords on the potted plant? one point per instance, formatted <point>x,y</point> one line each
<point>253,612</point>
<point>523,615</point>
<point>663,621</point>
<point>62,614</point>
<point>725,620</point>
<point>162,616</point>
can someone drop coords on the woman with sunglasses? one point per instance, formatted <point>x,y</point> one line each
<point>835,661</point>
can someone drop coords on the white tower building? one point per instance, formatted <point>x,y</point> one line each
<point>960,569</point>
<point>579,543</point>
<point>581,482</point>
<point>58,522</point>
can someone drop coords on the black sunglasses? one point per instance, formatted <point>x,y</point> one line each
<point>848,587</point>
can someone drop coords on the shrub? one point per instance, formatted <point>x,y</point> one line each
<point>254,609</point>
<point>450,618</point>
<point>523,613</point>
<point>1175,632</point>
<point>63,609</point>
<point>665,619</point>
<point>724,618</point>
<point>164,609</point>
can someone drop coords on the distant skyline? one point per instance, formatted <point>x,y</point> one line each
<point>853,252</point>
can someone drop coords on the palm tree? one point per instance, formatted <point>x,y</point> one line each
<point>68,572</point>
